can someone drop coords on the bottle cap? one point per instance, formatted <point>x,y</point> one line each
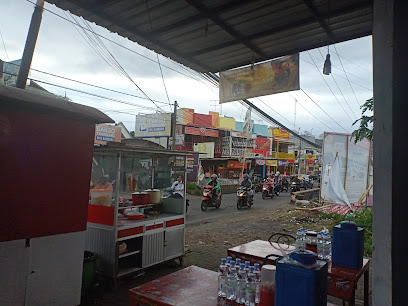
<point>242,266</point>
<point>233,263</point>
<point>256,265</point>
<point>223,260</point>
<point>229,258</point>
<point>251,269</point>
<point>238,260</point>
<point>247,263</point>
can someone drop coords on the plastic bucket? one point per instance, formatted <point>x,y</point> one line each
<point>88,272</point>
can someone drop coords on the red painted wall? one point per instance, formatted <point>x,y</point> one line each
<point>202,120</point>
<point>45,168</point>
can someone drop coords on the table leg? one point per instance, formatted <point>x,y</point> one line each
<point>366,287</point>
<point>353,298</point>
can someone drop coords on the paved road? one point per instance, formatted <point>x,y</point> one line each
<point>229,206</point>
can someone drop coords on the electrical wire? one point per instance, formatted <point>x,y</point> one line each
<point>323,110</point>
<point>328,86</point>
<point>339,89</point>
<point>161,73</point>
<point>4,45</point>
<point>347,76</point>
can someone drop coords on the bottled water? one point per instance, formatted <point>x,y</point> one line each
<point>250,288</point>
<point>241,285</point>
<point>257,272</point>
<point>221,277</point>
<point>320,249</point>
<point>327,246</point>
<point>300,240</point>
<point>247,264</point>
<point>228,264</point>
<point>237,262</point>
<point>231,282</point>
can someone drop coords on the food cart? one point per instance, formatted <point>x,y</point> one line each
<point>137,181</point>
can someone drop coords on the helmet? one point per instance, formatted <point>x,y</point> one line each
<point>214,176</point>
<point>277,173</point>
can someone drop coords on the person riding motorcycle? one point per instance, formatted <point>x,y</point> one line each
<point>246,182</point>
<point>217,187</point>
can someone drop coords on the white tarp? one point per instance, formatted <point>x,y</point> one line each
<point>334,190</point>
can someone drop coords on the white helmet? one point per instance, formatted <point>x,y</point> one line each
<point>214,175</point>
<point>277,173</point>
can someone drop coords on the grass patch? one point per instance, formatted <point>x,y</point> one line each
<point>362,219</point>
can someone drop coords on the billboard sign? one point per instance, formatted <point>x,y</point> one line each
<point>206,149</point>
<point>153,125</point>
<point>192,167</point>
<point>193,130</point>
<point>280,133</point>
<point>106,132</point>
<point>275,76</point>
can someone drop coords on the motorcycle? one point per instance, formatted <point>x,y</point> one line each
<point>285,185</point>
<point>169,193</point>
<point>268,190</point>
<point>294,186</point>
<point>208,199</point>
<point>258,187</point>
<point>243,196</point>
<point>278,187</point>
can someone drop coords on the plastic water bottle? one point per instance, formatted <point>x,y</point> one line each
<point>221,277</point>
<point>320,249</point>
<point>250,288</point>
<point>228,264</point>
<point>257,272</point>
<point>300,240</point>
<point>247,264</point>
<point>327,246</point>
<point>237,262</point>
<point>231,282</point>
<point>241,285</point>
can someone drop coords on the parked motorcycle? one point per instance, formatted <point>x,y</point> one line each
<point>244,196</point>
<point>209,200</point>
<point>169,193</point>
<point>268,190</point>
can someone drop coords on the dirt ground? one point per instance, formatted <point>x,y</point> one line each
<point>251,225</point>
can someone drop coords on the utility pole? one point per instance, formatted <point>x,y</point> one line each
<point>173,128</point>
<point>30,45</point>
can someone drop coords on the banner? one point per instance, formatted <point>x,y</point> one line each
<point>280,133</point>
<point>247,128</point>
<point>233,164</point>
<point>260,162</point>
<point>206,149</point>
<point>106,132</point>
<point>271,162</point>
<point>264,144</point>
<point>193,130</point>
<point>279,75</point>
<point>153,125</point>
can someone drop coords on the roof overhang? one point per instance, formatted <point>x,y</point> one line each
<point>212,35</point>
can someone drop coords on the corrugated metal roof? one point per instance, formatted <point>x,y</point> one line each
<point>15,97</point>
<point>213,35</point>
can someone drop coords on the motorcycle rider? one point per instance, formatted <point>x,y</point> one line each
<point>246,182</point>
<point>178,187</point>
<point>216,192</point>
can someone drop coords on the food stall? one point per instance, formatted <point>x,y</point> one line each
<point>132,223</point>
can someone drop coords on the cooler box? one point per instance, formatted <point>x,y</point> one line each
<point>301,280</point>
<point>348,245</point>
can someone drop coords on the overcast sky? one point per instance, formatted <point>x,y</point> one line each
<point>61,49</point>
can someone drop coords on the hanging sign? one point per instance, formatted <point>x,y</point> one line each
<point>279,75</point>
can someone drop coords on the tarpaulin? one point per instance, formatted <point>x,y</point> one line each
<point>335,190</point>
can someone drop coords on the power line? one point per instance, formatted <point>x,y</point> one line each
<point>323,110</point>
<point>346,76</point>
<point>161,73</point>
<point>328,86</point>
<point>88,84</point>
<point>4,45</point>
<point>297,101</point>
<point>339,88</point>
<point>351,62</point>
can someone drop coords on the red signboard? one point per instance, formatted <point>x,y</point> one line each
<point>193,130</point>
<point>310,161</point>
<point>234,164</point>
<point>264,145</point>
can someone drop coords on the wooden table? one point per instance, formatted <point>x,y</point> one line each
<point>342,282</point>
<point>190,286</point>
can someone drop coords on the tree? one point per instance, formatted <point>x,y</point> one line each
<point>365,128</point>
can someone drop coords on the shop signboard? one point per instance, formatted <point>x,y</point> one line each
<point>153,125</point>
<point>309,161</point>
<point>179,139</point>
<point>264,144</point>
<point>275,76</point>
<point>241,135</point>
<point>106,132</point>
<point>202,131</point>
<point>260,162</point>
<point>271,162</point>
<point>234,164</point>
<point>206,149</point>
<point>310,157</point>
<point>280,133</point>
<point>283,163</point>
<point>192,167</point>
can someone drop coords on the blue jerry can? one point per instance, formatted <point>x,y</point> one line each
<point>348,245</point>
<point>301,280</point>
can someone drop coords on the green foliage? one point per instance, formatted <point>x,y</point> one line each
<point>364,131</point>
<point>132,133</point>
<point>191,186</point>
<point>363,219</point>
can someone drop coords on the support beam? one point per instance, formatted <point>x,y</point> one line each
<point>218,21</point>
<point>390,49</point>
<point>321,20</point>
